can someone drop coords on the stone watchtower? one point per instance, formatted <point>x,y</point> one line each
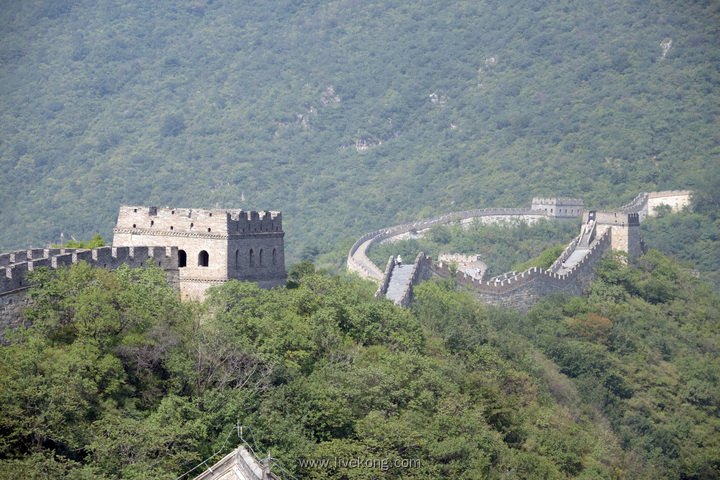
<point>213,245</point>
<point>559,207</point>
<point>624,230</point>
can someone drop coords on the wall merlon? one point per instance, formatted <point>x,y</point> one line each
<point>85,255</point>
<point>103,256</point>
<point>41,262</point>
<point>18,256</point>
<point>64,259</point>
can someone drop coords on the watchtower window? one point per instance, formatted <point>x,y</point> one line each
<point>152,222</point>
<point>192,225</point>
<point>172,228</point>
<point>182,258</point>
<point>274,257</point>
<point>237,258</point>
<point>260,257</point>
<point>203,259</point>
<point>251,261</point>
<point>208,229</point>
<point>134,225</point>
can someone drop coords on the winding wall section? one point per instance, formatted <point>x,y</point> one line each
<point>521,290</point>
<point>359,262</point>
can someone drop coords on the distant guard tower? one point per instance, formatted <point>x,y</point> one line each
<point>213,245</point>
<point>559,207</point>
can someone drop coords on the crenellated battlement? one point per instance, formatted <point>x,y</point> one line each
<point>615,219</point>
<point>600,232</point>
<point>14,266</point>
<point>196,222</point>
<point>519,290</point>
<point>359,263</point>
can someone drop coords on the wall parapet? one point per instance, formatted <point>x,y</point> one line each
<point>14,266</point>
<point>528,286</point>
<point>385,282</point>
<point>197,221</point>
<point>637,205</point>
<point>517,283</point>
<point>359,262</point>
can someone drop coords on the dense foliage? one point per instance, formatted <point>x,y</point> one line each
<point>642,347</point>
<point>270,104</point>
<point>113,377</point>
<point>502,246</point>
<point>691,236</point>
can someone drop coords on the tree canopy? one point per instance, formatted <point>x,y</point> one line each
<point>113,377</point>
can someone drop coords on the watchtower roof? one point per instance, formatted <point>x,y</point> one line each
<point>197,220</point>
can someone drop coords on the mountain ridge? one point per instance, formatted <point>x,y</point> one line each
<point>465,106</point>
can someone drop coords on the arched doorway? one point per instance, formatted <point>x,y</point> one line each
<point>203,259</point>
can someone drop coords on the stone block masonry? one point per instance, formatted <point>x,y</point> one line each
<point>213,245</point>
<point>15,266</point>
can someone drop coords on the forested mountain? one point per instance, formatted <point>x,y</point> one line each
<point>347,116</point>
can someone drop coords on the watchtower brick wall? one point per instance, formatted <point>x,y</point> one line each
<point>559,207</point>
<point>624,230</point>
<point>213,245</point>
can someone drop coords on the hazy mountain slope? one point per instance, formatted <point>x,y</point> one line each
<point>263,104</point>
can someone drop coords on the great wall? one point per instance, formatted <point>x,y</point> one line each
<point>570,273</point>
<point>196,248</point>
<point>15,266</point>
<point>199,248</point>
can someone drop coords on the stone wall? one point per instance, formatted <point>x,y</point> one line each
<point>610,230</point>
<point>359,263</point>
<point>645,204</point>
<point>15,266</point>
<point>12,305</point>
<point>675,199</point>
<point>521,290</point>
<point>385,282</point>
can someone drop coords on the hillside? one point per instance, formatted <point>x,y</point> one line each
<point>346,116</point>
<point>117,378</point>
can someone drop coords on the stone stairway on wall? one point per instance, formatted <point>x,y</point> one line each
<point>398,282</point>
<point>588,233</point>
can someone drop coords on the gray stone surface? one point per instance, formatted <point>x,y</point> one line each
<point>399,282</point>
